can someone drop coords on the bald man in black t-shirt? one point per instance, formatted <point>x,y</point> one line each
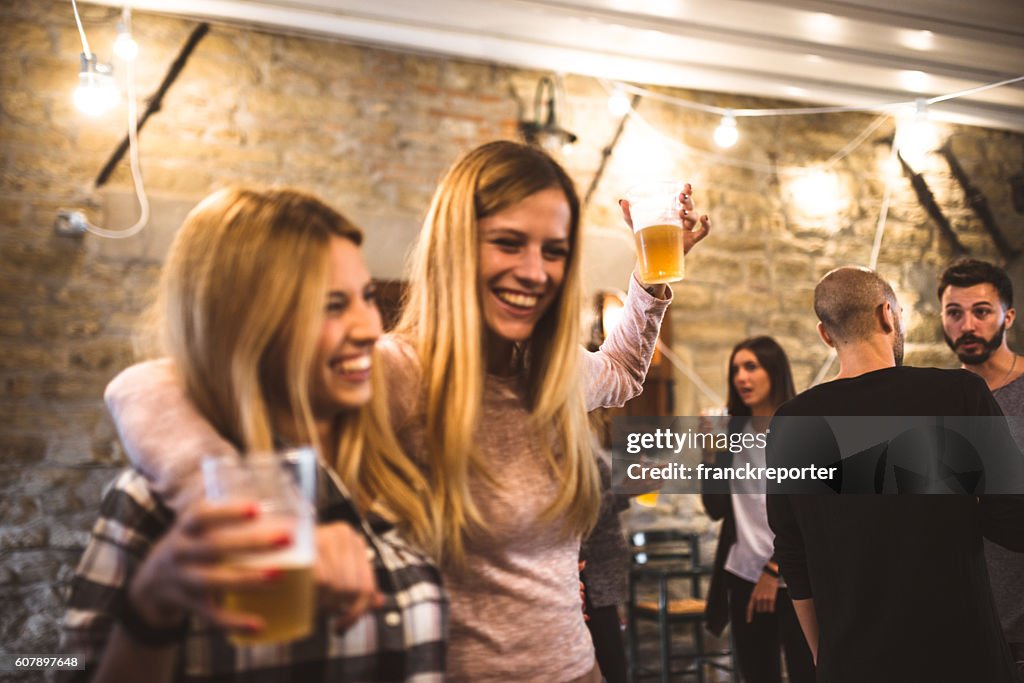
<point>890,587</point>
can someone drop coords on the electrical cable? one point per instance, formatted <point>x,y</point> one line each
<point>690,373</point>
<point>81,31</point>
<point>804,111</point>
<point>876,250</point>
<point>133,141</point>
<point>133,161</point>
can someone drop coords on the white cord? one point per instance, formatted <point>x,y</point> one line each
<point>757,167</point>
<point>690,373</point>
<point>133,160</point>
<point>876,249</point>
<point>883,214</point>
<point>803,111</point>
<point>857,141</point>
<point>972,91</point>
<point>81,31</point>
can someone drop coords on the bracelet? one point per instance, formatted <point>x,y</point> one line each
<point>770,572</point>
<point>139,630</point>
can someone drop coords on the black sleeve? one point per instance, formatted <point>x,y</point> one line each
<point>714,493</point>
<point>789,546</point>
<point>1002,520</point>
<point>789,553</point>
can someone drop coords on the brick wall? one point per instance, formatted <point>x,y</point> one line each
<point>371,130</point>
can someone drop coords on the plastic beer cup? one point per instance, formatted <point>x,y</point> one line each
<point>283,484</point>
<point>658,231</point>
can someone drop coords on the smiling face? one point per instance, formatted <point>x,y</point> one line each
<point>752,382</point>
<point>523,254</point>
<point>973,321</point>
<point>341,371</point>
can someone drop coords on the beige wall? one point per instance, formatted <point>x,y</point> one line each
<point>371,130</point>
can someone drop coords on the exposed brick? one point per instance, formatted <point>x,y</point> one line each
<point>372,130</point>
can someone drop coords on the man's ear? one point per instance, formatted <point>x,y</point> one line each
<point>886,317</point>
<point>1011,315</point>
<point>823,333</point>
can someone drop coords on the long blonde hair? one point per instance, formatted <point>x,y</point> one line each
<point>442,319</point>
<point>241,300</point>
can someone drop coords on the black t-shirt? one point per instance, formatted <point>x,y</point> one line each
<point>899,582</point>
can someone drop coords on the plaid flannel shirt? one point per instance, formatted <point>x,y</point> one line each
<point>402,641</point>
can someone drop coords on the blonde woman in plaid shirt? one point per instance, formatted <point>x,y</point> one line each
<point>269,319</point>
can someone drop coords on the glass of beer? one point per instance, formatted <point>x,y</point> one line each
<point>658,230</point>
<point>648,500</point>
<point>283,483</point>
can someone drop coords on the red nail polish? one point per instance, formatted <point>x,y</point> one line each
<point>272,574</point>
<point>252,511</point>
<point>283,540</point>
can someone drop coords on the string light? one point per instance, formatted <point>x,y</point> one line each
<point>618,103</point>
<point>125,46</point>
<point>727,134</point>
<point>916,136</point>
<point>96,93</point>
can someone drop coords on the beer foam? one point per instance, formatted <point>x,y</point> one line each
<point>289,557</point>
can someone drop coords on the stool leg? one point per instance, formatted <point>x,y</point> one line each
<point>663,630</point>
<point>698,641</point>
<point>666,659</point>
<point>631,627</point>
<point>734,675</point>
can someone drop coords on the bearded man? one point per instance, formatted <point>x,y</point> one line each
<point>977,310</point>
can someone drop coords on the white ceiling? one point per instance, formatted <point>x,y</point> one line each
<point>833,52</point>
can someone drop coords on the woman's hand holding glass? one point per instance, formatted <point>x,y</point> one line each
<point>186,570</point>
<point>189,569</point>
<point>691,233</point>
<point>658,236</point>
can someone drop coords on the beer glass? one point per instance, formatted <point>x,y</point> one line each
<point>283,484</point>
<point>658,231</point>
<point>648,500</point>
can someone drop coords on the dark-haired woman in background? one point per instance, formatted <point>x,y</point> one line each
<point>746,589</point>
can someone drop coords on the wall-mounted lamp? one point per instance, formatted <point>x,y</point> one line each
<point>544,130</point>
<point>817,193</point>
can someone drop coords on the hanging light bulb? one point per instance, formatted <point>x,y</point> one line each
<point>916,136</point>
<point>96,92</point>
<point>618,103</point>
<point>125,46</point>
<point>727,134</point>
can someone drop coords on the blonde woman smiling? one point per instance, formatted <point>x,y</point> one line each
<point>268,315</point>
